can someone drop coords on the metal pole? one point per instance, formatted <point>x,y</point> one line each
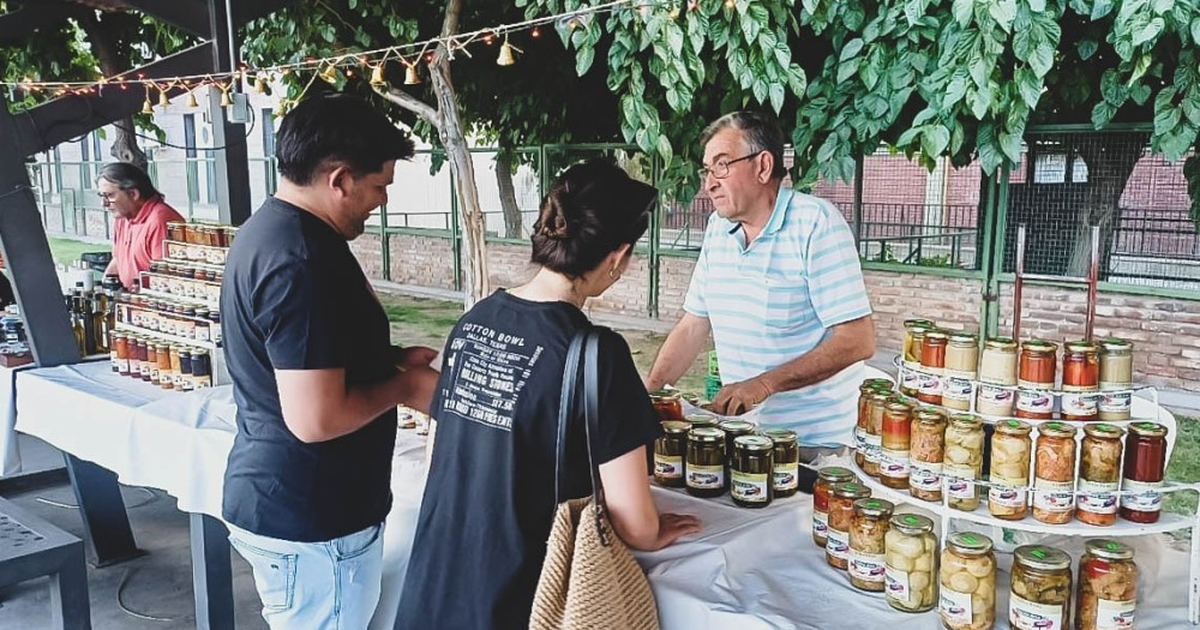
<point>858,200</point>
<point>1093,277</point>
<point>1017,282</point>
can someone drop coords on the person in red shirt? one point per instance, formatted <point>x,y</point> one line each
<point>141,219</point>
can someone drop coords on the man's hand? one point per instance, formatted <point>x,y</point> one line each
<point>413,357</point>
<point>736,399</point>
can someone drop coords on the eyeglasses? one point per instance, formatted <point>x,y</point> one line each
<point>107,196</point>
<point>720,170</point>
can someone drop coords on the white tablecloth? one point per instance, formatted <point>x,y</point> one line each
<point>10,449</point>
<point>748,569</point>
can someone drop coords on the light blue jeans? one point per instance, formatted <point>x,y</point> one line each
<point>331,585</point>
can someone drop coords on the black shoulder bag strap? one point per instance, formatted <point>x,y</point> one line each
<point>585,349</point>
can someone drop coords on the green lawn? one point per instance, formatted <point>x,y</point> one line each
<point>67,251</point>
<point>1185,465</point>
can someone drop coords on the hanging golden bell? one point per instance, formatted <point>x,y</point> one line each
<point>506,55</point>
<point>226,101</point>
<point>163,100</point>
<point>329,74</point>
<point>191,102</point>
<point>260,85</point>
<point>377,79</point>
<point>410,76</point>
<point>147,106</point>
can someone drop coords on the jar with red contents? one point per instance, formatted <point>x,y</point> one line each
<point>1035,378</point>
<point>668,404</point>
<point>827,478</point>
<point>933,365</point>
<point>896,441</point>
<point>1080,380</point>
<point>1145,462</point>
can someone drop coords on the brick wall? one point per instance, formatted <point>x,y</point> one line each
<point>366,249</point>
<point>421,260</point>
<point>953,303</point>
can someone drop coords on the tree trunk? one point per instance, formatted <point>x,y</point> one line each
<point>508,195</point>
<point>1110,161</point>
<point>125,147</point>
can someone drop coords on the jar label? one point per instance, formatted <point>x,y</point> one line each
<point>122,365</point>
<point>668,467</point>
<point>153,374</point>
<point>960,482</point>
<point>837,544</point>
<point>896,584</point>
<point>1080,404</point>
<point>1111,615</point>
<point>751,487</point>
<point>929,384</point>
<point>820,524</point>
<point>705,477</point>
<point>995,400</point>
<point>911,380</point>
<point>893,464</point>
<point>1034,401</point>
<point>1007,493</point>
<point>1026,615</point>
<point>202,382</point>
<point>786,477</point>
<point>956,388</point>
<point>874,444</point>
<point>925,476</point>
<point>1024,384</point>
<point>1141,496</point>
<point>955,607</point>
<point>201,333</point>
<point>1119,402</point>
<point>868,567</point>
<point>1054,496</point>
<point>1098,497</point>
<point>860,438</point>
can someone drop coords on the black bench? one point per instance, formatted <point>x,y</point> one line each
<point>30,548</point>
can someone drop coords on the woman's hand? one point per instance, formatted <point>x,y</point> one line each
<point>671,527</point>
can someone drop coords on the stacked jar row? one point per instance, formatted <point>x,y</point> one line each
<point>207,234</point>
<point>169,317</point>
<point>929,454</point>
<point>169,366</point>
<point>709,459</point>
<point>942,368</point>
<point>189,252</point>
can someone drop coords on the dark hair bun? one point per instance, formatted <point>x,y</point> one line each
<point>553,222</point>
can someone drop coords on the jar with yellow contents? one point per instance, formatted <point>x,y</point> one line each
<point>911,557</point>
<point>968,582</point>
<point>868,532</point>
<point>1009,475</point>
<point>963,462</point>
<point>1041,588</point>
<point>1054,474</point>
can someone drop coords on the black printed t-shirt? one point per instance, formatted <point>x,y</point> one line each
<point>295,298</point>
<point>481,534</point>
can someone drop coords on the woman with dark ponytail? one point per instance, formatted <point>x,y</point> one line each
<point>481,535</point>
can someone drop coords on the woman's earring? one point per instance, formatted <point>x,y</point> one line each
<point>613,275</point>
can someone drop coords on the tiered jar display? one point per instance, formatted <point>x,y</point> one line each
<point>1099,474</point>
<point>1040,593</point>
<point>828,478</point>
<point>1054,474</point>
<point>926,454</point>
<point>963,462</point>
<point>1009,474</point>
<point>911,556</point>
<point>868,532</point>
<point>997,377</point>
<point>841,517</point>
<point>967,576</point>
<point>1106,598</point>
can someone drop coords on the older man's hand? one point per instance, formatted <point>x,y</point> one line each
<point>736,399</point>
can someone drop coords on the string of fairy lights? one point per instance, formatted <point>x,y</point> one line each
<point>371,63</point>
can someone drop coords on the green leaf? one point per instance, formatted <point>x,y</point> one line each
<point>1010,145</point>
<point>776,93</point>
<point>963,11</point>
<point>674,39</point>
<point>1029,85</point>
<point>847,69</point>
<point>1086,48</point>
<point>1102,8</point>
<point>955,91</point>
<point>909,136</point>
<point>1042,59</point>
<point>1149,32</point>
<point>664,149</point>
<point>852,48</point>
<point>1037,6</point>
<point>1004,12</point>
<point>934,140</point>
<point>584,59</point>
<point>1102,114</point>
<point>1196,40</point>
<point>1139,69</point>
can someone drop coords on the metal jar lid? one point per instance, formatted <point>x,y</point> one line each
<point>665,394</point>
<point>706,434</point>
<point>1148,429</point>
<point>899,407</point>
<point>781,436</point>
<point>912,524</point>
<point>965,421</point>
<point>964,338</point>
<point>937,335</point>
<point>1000,343</point>
<point>1056,430</point>
<point>1113,345</point>
<point>919,323</point>
<point>1103,431</point>
<point>675,427</point>
<point>753,443</point>
<point>1079,347</point>
<point>930,415</point>
<point>1040,346</point>
<point>1109,549</point>
<point>851,490</point>
<point>836,474</point>
<point>969,543</point>
<point>698,420</point>
<point>739,427</point>
<point>1013,427</point>
<point>878,508</point>
<point>1041,557</point>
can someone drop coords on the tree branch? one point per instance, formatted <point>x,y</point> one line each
<point>412,104</point>
<point>449,29</point>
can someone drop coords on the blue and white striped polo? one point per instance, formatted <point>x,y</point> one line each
<point>776,300</point>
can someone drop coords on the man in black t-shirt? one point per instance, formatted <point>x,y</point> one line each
<point>316,381</point>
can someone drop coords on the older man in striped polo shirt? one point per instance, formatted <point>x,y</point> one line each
<point>779,285</point>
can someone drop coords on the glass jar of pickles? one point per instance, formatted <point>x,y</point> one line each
<point>1009,474</point>
<point>668,403</point>
<point>865,391</point>
<point>1054,474</point>
<point>1041,589</point>
<point>962,363</point>
<point>914,338</point>
<point>1116,379</point>
<point>827,479</point>
<point>841,516</point>
<point>868,531</point>
<point>997,378</point>
<point>669,451</point>
<point>933,365</point>
<point>1080,381</point>
<point>1099,474</point>
<point>751,476</point>
<point>877,408</point>
<point>894,455</point>
<point>911,556</point>
<point>926,453</point>
<point>963,463</point>
<point>1145,461</point>
<point>704,469</point>
<point>785,479</point>
<point>1106,598</point>
<point>733,430</point>
<point>968,582</point>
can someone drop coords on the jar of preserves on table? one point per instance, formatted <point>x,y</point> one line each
<point>927,452</point>
<point>967,576</point>
<point>841,516</point>
<point>704,468</point>
<point>1009,474</point>
<point>1099,474</point>
<point>911,557</point>
<point>753,467</point>
<point>1116,379</point>
<point>1054,474</point>
<point>668,404</point>
<point>877,409</point>
<point>933,365</point>
<point>1145,461</point>
<point>785,479</point>
<point>698,420</point>
<point>669,451</point>
<point>733,430</point>
<point>827,479</point>
<point>1040,593</point>
<point>1080,381</point>
<point>962,364</point>
<point>997,378</point>
<point>894,455</point>
<point>1036,379</point>
<point>868,531</point>
<point>963,463</point>
<point>1106,598</point>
